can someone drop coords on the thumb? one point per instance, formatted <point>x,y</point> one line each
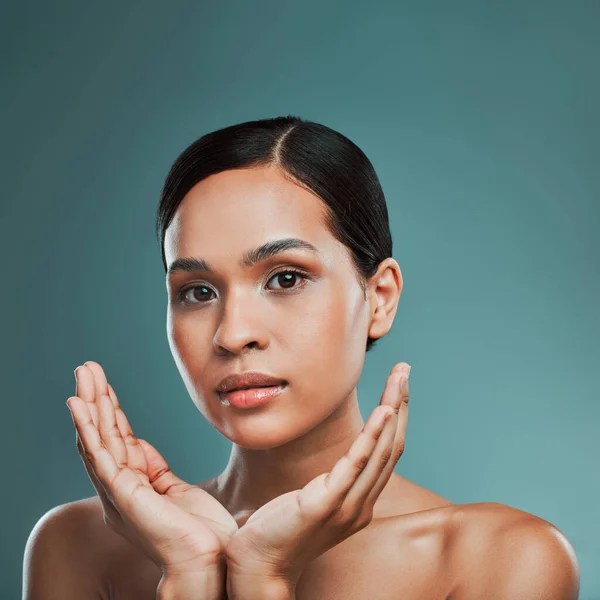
<point>161,478</point>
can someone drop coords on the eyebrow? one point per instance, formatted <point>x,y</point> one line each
<point>190,264</point>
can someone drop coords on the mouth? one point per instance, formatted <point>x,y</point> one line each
<point>251,397</point>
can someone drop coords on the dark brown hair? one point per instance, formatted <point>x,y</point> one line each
<point>311,155</point>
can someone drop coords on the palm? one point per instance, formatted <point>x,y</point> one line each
<point>186,523</point>
<point>208,511</point>
<point>176,524</point>
<point>209,516</point>
<point>288,532</point>
<point>277,526</point>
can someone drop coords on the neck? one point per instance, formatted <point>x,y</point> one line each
<point>254,477</point>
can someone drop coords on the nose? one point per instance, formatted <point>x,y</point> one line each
<point>241,326</point>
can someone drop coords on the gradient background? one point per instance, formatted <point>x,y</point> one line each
<point>481,119</point>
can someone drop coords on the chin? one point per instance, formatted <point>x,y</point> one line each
<point>260,438</point>
<point>259,432</point>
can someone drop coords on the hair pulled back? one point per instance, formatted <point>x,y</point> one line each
<point>311,155</point>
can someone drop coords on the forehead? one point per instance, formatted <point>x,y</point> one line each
<point>235,210</point>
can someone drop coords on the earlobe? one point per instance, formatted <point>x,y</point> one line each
<point>380,323</point>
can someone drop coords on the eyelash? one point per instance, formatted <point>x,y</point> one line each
<point>300,274</point>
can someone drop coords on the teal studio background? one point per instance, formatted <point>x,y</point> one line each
<point>482,122</point>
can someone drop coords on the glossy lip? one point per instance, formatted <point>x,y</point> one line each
<point>251,398</point>
<point>251,379</point>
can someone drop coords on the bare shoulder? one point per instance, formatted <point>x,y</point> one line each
<point>512,553</point>
<point>96,562</point>
<point>116,559</point>
<point>63,550</point>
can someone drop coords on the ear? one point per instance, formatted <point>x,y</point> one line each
<point>383,292</point>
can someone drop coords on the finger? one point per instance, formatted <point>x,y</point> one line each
<point>88,467</point>
<point>143,457</point>
<point>136,502</point>
<point>346,471</point>
<point>100,381</point>
<point>370,452</point>
<point>378,457</point>
<point>390,392</point>
<point>92,450</point>
<point>160,476</point>
<point>85,388</point>
<point>109,431</point>
<point>136,457</point>
<point>398,443</point>
<point>91,385</point>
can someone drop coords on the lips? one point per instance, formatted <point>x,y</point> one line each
<point>248,380</point>
<point>251,398</point>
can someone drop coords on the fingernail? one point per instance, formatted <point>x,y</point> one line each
<point>404,384</point>
<point>75,372</point>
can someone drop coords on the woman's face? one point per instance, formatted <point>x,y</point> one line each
<point>309,329</point>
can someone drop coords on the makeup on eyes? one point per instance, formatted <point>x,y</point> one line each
<point>301,276</point>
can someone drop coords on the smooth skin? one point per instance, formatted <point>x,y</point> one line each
<point>184,530</point>
<point>283,536</point>
<point>179,526</point>
<point>310,330</point>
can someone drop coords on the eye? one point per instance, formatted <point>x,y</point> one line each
<point>286,283</point>
<point>289,280</point>
<point>182,294</point>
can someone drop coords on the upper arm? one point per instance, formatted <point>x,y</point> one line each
<point>525,559</point>
<point>58,561</point>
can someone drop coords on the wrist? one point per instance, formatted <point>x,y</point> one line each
<point>259,588</point>
<point>205,585</point>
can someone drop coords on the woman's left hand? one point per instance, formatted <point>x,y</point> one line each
<point>284,535</point>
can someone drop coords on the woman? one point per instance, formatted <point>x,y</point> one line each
<point>277,252</point>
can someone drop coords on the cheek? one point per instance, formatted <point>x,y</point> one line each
<point>319,344</point>
<point>181,334</point>
<point>324,345</point>
<point>191,352</point>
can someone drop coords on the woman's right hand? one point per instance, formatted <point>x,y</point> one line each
<point>179,526</point>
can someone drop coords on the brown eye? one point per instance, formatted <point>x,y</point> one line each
<point>199,295</point>
<point>287,278</point>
